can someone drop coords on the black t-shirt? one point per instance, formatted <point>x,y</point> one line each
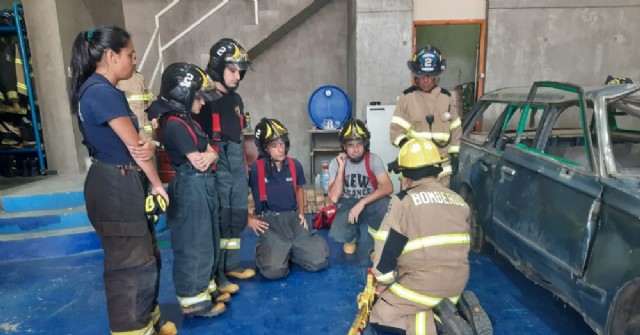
<point>178,141</point>
<point>231,111</point>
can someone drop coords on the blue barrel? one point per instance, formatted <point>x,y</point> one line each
<point>329,107</point>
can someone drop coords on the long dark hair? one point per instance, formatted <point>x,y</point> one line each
<point>88,48</point>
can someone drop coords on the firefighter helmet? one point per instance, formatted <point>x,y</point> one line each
<point>354,129</point>
<point>611,80</point>
<point>427,61</point>
<point>269,130</point>
<point>180,84</point>
<point>227,51</point>
<point>417,153</point>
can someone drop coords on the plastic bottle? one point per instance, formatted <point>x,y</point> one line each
<point>247,121</point>
<point>324,177</point>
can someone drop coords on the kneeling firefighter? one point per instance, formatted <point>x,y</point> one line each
<point>193,215</point>
<point>424,258</point>
<point>276,182</point>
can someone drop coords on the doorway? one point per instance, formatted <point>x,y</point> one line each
<point>462,44</point>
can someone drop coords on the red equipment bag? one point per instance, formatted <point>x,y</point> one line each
<point>324,217</point>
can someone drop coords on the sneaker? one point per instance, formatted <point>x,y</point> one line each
<point>204,312</point>
<point>349,248</point>
<point>168,328</point>
<point>230,288</point>
<point>242,273</point>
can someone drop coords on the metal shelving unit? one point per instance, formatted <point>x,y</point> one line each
<point>20,31</point>
<point>326,148</point>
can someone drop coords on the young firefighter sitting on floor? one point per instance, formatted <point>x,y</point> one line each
<point>276,184</point>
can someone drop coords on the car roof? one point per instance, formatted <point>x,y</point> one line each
<point>547,95</point>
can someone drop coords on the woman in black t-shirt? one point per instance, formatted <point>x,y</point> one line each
<point>193,215</point>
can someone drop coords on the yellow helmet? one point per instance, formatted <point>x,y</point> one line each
<point>418,153</point>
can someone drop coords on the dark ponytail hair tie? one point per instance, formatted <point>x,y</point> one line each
<point>89,34</point>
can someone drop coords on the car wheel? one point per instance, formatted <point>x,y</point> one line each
<point>478,241</point>
<point>633,326</point>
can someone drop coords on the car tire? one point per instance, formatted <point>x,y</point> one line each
<point>478,240</point>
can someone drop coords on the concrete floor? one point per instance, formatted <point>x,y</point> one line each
<point>66,296</point>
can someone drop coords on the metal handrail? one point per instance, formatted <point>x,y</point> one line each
<point>156,35</point>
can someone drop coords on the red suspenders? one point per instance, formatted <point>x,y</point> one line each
<point>262,187</point>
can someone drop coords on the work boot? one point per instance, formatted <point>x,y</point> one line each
<point>204,312</point>
<point>349,248</point>
<point>231,288</point>
<point>471,310</point>
<point>448,321</point>
<point>242,273</point>
<point>223,297</point>
<point>167,328</point>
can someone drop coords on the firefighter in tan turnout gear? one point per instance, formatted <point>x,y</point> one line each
<point>428,111</point>
<point>424,257</point>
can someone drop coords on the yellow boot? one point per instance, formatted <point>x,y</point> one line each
<point>168,328</point>
<point>242,273</point>
<point>349,248</point>
<point>229,289</point>
<point>224,297</point>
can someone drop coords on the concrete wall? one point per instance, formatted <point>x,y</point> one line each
<point>383,38</point>
<point>52,26</point>
<point>449,10</point>
<point>281,79</point>
<point>575,41</point>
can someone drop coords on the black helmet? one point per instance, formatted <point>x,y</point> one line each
<point>268,130</point>
<point>427,61</point>
<point>355,129</point>
<point>180,84</point>
<point>226,51</point>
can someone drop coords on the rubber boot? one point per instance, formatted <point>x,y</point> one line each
<point>206,311</point>
<point>471,310</point>
<point>448,321</point>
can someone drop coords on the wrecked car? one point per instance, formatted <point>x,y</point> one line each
<point>554,186</point>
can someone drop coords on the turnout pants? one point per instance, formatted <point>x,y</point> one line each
<point>115,205</point>
<point>401,307</point>
<point>287,240</point>
<point>192,217</point>
<point>233,191</point>
<point>372,214</point>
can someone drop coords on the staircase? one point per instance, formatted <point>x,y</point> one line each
<point>45,218</point>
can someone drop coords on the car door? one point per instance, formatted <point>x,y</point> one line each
<point>478,158</point>
<point>546,201</point>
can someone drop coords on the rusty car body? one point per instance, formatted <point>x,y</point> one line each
<point>554,185</point>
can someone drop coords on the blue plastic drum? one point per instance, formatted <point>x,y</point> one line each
<point>329,107</point>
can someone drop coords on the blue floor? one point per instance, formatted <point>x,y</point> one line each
<point>66,296</point>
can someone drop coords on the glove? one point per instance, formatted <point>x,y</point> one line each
<point>154,206</point>
<point>454,163</point>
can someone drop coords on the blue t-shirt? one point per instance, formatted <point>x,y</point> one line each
<point>279,187</point>
<point>101,102</point>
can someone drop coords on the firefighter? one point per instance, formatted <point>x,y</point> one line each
<point>428,111</point>
<point>223,120</point>
<point>358,184</point>
<point>276,182</point>
<point>121,173</point>
<point>193,216</point>
<point>139,99</point>
<point>423,258</point>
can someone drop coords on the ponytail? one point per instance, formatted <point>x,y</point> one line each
<point>88,49</point>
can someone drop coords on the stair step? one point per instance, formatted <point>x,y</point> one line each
<point>40,202</point>
<point>63,242</point>
<point>42,221</point>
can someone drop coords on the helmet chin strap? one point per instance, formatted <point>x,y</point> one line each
<point>358,160</point>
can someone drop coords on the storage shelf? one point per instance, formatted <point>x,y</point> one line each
<point>320,131</point>
<point>17,150</point>
<point>325,149</point>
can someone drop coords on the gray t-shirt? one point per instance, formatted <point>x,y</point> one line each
<point>356,179</point>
